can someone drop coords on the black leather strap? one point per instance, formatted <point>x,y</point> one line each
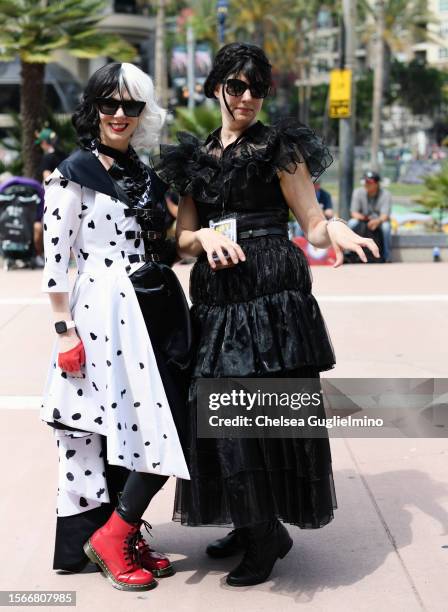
<point>136,258</point>
<point>150,235</point>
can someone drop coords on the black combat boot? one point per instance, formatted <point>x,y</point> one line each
<point>267,542</point>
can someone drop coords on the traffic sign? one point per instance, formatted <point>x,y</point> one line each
<point>340,93</point>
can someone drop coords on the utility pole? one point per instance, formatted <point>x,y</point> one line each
<point>191,81</point>
<point>347,59</point>
<point>160,76</point>
<point>378,78</point>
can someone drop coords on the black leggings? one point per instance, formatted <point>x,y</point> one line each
<point>139,489</point>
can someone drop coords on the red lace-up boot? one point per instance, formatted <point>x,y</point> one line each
<point>113,548</point>
<point>154,562</point>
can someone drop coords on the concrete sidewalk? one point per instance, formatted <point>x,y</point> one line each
<point>385,548</point>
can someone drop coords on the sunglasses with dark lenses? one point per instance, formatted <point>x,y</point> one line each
<point>131,108</point>
<point>236,87</point>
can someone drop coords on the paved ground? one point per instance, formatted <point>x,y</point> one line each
<point>387,548</point>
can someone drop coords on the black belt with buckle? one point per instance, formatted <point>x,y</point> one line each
<point>265,231</point>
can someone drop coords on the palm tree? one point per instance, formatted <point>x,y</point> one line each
<point>32,30</point>
<point>396,25</point>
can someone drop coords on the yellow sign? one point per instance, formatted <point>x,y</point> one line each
<point>340,93</point>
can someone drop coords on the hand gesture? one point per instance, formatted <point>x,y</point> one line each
<point>214,242</point>
<point>343,238</point>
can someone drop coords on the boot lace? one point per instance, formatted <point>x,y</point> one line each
<point>141,543</point>
<point>132,551</point>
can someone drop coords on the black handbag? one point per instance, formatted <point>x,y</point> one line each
<point>165,310</point>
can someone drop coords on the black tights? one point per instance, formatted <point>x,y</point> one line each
<point>138,492</point>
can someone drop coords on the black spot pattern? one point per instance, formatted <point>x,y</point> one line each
<point>83,502</point>
<point>98,420</point>
<point>142,365</point>
<point>55,240</point>
<point>134,428</point>
<point>108,262</point>
<point>85,255</point>
<point>70,453</point>
<point>52,282</point>
<point>119,353</point>
<point>100,492</point>
<point>94,385</point>
<point>136,404</point>
<point>70,476</point>
<point>56,414</point>
<point>80,392</point>
<point>93,336</point>
<point>55,213</point>
<point>117,230</point>
<point>91,224</point>
<point>87,473</point>
<point>76,416</point>
<point>57,257</point>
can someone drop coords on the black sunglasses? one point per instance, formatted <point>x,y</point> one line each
<point>236,87</point>
<point>131,108</point>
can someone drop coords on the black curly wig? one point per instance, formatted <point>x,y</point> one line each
<point>239,58</point>
<point>103,83</point>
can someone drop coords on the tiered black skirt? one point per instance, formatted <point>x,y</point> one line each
<point>257,319</point>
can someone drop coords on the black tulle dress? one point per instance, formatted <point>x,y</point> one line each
<point>256,319</point>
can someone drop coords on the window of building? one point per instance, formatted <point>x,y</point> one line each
<point>443,53</point>
<point>443,5</point>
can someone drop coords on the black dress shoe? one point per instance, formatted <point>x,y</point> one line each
<point>233,543</point>
<point>267,542</point>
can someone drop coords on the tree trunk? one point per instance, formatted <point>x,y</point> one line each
<point>32,104</point>
<point>378,86</point>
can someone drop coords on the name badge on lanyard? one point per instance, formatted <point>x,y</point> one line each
<point>227,227</point>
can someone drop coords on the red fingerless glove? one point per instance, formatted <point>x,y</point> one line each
<point>72,360</point>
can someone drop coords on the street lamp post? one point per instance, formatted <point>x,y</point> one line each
<point>222,8</point>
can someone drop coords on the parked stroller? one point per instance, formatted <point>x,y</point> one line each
<point>21,204</point>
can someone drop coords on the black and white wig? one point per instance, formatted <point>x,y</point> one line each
<point>120,78</point>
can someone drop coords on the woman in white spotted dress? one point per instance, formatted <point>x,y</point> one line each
<point>105,397</point>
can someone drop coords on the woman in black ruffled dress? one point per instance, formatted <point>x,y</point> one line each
<point>253,310</point>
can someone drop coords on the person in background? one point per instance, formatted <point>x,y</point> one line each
<point>372,204</point>
<point>326,204</point>
<point>324,199</point>
<point>53,154</point>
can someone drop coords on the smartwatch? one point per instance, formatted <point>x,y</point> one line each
<point>62,327</point>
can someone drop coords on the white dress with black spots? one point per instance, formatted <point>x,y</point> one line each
<point>121,394</point>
